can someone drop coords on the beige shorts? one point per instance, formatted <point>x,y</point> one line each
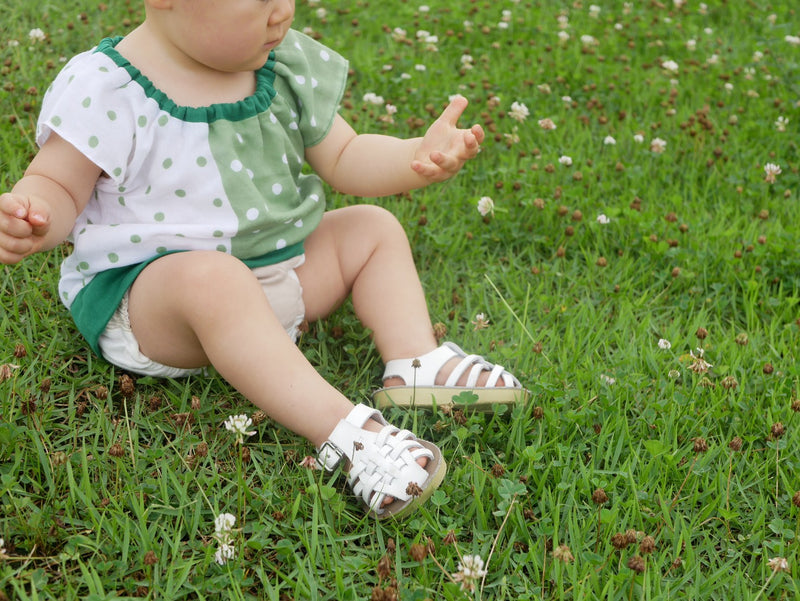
<point>280,284</point>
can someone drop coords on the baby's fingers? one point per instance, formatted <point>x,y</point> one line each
<point>13,221</point>
<point>429,170</point>
<point>13,249</point>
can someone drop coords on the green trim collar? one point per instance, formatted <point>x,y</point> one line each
<point>248,107</point>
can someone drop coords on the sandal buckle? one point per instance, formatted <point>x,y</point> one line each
<point>329,456</point>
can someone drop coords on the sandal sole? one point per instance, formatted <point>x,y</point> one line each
<point>428,397</point>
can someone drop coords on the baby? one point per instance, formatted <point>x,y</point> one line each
<point>173,157</point>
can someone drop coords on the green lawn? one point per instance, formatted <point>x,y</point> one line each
<point>638,273</point>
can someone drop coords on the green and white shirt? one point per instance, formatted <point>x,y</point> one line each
<point>225,177</point>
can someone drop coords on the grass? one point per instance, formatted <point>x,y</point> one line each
<point>109,489</point>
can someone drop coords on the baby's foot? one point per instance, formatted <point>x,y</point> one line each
<point>390,469</point>
<point>375,426</point>
<point>447,365</point>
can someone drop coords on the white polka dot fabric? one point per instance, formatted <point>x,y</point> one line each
<point>226,177</point>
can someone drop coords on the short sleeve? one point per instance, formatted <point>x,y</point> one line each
<point>88,106</point>
<point>316,76</point>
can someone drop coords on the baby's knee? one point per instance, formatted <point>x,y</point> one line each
<point>382,223</point>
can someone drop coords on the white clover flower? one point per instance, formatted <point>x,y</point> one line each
<point>224,523</point>
<point>608,380</point>
<point>36,35</point>
<point>588,40</point>
<point>712,60</point>
<point>502,25</point>
<point>757,56</point>
<point>594,11</point>
<point>772,18</point>
<point>13,43</point>
<point>638,138</point>
<point>321,13</point>
<point>703,8</point>
<point>485,206</point>
<point>544,88</point>
<point>658,145</point>
<point>391,109</point>
<point>224,554</point>
<point>781,123</point>
<point>609,141</point>
<point>470,570</point>
<point>223,533</point>
<point>399,34</point>
<point>778,564</point>
<point>506,15</point>
<point>563,21</point>
<point>793,40</point>
<point>565,160</point>
<point>420,67</point>
<point>466,59</point>
<point>566,99</point>
<point>563,553</point>
<point>424,8</point>
<point>238,424</point>
<point>3,551</point>
<point>691,45</point>
<point>673,374</point>
<point>519,112</point>
<point>664,344</point>
<point>547,124</point>
<point>699,364</point>
<point>602,219</point>
<point>728,87</point>
<point>771,170</point>
<point>563,37</point>
<point>372,98</point>
<point>481,322</point>
<point>670,66</point>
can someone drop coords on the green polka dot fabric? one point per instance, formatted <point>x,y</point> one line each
<point>226,177</point>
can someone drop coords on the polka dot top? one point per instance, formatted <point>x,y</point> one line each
<point>225,177</point>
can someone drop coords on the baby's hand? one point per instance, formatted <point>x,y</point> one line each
<point>445,148</point>
<point>24,222</point>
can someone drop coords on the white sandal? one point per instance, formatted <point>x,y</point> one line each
<point>383,464</point>
<point>419,375</point>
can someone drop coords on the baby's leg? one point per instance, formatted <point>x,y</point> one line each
<point>197,308</point>
<point>364,250</point>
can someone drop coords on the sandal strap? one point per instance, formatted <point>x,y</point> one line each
<point>380,464</point>
<point>332,453</point>
<point>431,363</point>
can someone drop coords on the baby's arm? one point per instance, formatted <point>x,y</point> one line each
<point>40,211</point>
<point>375,165</point>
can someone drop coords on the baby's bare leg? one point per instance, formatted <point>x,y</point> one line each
<point>364,250</point>
<point>197,308</point>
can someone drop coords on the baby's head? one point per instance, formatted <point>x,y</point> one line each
<point>225,35</point>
